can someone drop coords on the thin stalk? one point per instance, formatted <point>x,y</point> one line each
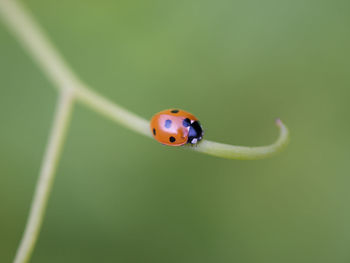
<point>33,39</point>
<point>24,27</point>
<point>51,62</point>
<point>46,178</point>
<point>243,152</point>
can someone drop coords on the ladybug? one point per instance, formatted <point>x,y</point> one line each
<point>176,127</point>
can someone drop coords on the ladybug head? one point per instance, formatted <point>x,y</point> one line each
<point>195,133</point>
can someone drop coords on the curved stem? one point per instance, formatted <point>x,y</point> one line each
<point>243,152</point>
<point>33,39</point>
<point>47,174</point>
<point>50,61</point>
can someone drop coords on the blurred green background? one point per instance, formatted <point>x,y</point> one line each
<point>237,65</point>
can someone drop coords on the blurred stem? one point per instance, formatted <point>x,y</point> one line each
<point>46,178</point>
<point>34,40</point>
<point>45,54</point>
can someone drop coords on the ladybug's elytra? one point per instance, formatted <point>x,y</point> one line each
<point>176,127</point>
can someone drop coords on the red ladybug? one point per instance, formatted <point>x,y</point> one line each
<point>176,127</point>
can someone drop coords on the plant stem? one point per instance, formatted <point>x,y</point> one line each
<point>112,110</point>
<point>33,39</point>
<point>244,152</point>
<point>46,178</point>
<point>44,53</point>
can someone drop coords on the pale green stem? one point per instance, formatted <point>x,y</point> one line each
<point>34,40</point>
<point>43,51</point>
<point>46,178</point>
<point>244,152</point>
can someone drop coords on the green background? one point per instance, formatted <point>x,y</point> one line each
<point>237,65</point>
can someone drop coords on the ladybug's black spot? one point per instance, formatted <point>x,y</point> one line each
<point>172,139</point>
<point>167,124</point>
<point>174,111</point>
<point>154,131</point>
<point>186,122</point>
